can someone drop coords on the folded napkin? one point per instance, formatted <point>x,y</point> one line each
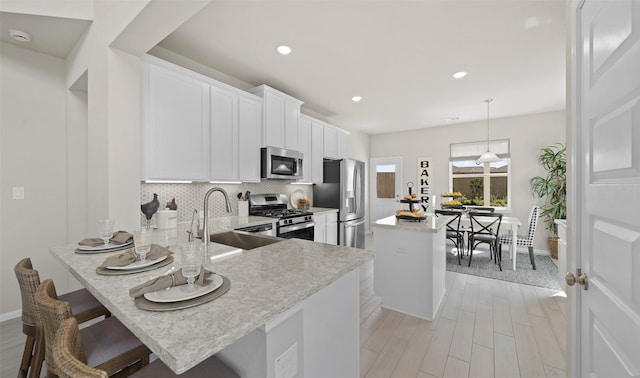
<point>119,237</point>
<point>126,258</point>
<point>166,281</point>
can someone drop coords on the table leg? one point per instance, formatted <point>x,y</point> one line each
<point>514,244</point>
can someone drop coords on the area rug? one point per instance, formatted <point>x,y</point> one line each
<point>545,275</point>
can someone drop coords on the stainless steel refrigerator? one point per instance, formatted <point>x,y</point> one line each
<point>343,189</point>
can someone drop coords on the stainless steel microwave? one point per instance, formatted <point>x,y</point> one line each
<point>280,163</point>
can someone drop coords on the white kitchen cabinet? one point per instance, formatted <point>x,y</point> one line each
<point>330,142</point>
<point>224,135</point>
<point>175,125</point>
<point>326,229</point>
<point>196,128</point>
<point>250,138</point>
<point>304,145</point>
<point>343,144</point>
<point>281,114</point>
<point>317,152</point>
<point>331,230</point>
<point>320,229</point>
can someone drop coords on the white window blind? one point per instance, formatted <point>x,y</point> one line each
<point>472,150</point>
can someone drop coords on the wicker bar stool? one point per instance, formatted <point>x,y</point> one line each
<point>84,306</point>
<point>71,361</point>
<point>108,345</point>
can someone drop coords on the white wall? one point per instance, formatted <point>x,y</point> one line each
<point>527,134</point>
<point>33,148</point>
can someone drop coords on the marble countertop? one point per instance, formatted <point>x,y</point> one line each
<point>265,282</point>
<point>422,226</point>
<point>320,210</point>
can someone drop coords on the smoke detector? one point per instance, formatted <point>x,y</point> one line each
<point>19,35</point>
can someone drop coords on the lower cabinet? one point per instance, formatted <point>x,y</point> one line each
<point>326,229</point>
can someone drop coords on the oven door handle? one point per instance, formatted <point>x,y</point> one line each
<point>296,227</point>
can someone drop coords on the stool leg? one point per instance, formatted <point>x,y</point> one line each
<point>38,354</point>
<point>533,260</point>
<point>26,356</point>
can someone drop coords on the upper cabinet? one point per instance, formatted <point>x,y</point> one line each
<point>317,152</point>
<point>196,128</point>
<point>343,144</point>
<point>336,142</point>
<point>304,145</point>
<point>175,126</point>
<point>281,115</point>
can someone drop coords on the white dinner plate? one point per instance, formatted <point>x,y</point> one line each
<point>176,294</point>
<point>104,247</point>
<point>138,264</point>
<point>295,196</point>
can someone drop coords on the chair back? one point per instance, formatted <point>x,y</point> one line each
<point>483,223</point>
<point>52,313</point>
<point>454,223</point>
<point>533,221</point>
<point>69,355</point>
<point>449,207</point>
<point>484,209</point>
<point>28,280</point>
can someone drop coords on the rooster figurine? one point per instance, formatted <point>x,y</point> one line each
<point>172,204</point>
<point>150,208</point>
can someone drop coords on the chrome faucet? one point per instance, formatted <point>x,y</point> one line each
<point>205,229</point>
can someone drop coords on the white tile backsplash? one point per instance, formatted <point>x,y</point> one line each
<point>190,197</point>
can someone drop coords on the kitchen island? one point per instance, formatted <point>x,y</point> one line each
<point>410,264</point>
<point>295,296</point>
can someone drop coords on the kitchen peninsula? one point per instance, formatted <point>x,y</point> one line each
<point>295,298</point>
<point>410,264</point>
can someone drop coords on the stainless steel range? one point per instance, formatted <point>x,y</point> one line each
<point>291,223</point>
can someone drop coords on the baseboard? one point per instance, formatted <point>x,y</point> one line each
<point>10,315</point>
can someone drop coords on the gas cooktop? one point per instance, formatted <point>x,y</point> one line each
<point>274,206</point>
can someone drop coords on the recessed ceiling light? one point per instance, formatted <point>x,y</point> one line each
<point>459,75</point>
<point>19,35</point>
<point>356,98</point>
<point>284,50</point>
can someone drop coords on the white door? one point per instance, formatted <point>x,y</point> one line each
<point>605,327</point>
<point>386,187</point>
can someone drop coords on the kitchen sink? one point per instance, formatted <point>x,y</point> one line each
<point>244,240</point>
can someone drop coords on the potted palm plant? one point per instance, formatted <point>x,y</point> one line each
<point>553,188</point>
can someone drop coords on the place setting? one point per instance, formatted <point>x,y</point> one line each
<point>109,241</point>
<point>184,287</point>
<point>144,256</point>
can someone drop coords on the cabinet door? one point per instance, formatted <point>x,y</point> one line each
<point>304,146</point>
<point>330,142</point>
<point>319,231</point>
<point>175,126</point>
<point>291,119</point>
<point>224,135</point>
<point>250,138</point>
<point>273,120</point>
<point>343,145</point>
<point>317,152</point>
<point>332,228</point>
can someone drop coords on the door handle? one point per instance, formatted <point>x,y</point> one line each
<point>581,279</point>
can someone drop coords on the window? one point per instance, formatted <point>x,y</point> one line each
<point>485,184</point>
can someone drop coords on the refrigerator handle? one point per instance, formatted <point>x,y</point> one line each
<point>355,188</point>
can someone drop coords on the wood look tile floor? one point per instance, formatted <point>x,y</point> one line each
<point>485,328</point>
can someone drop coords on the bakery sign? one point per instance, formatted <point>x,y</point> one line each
<point>424,183</point>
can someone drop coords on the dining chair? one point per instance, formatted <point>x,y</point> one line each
<point>107,345</point>
<point>84,306</point>
<point>451,207</point>
<point>485,228</point>
<point>454,232</point>
<point>484,209</point>
<point>525,240</point>
<point>71,361</point>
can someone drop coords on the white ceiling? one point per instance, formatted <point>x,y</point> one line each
<point>398,55</point>
<point>53,36</point>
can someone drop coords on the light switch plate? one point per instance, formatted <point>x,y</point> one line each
<point>18,192</point>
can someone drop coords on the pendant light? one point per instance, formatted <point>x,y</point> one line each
<point>488,157</point>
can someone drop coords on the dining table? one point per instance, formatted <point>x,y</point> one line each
<point>513,223</point>
<point>265,283</point>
